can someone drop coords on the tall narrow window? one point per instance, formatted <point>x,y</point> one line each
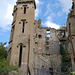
<point>24,10</point>
<point>20,56</point>
<point>23,27</point>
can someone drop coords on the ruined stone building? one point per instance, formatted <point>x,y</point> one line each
<point>70,34</point>
<point>34,48</point>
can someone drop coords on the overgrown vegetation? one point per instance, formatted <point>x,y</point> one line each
<point>4,66</point>
<point>3,51</point>
<point>66,60</point>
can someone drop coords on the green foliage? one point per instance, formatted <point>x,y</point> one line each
<point>66,60</point>
<point>4,66</point>
<point>72,73</point>
<point>62,51</point>
<point>3,51</point>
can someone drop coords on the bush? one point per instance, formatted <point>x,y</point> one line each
<point>72,73</point>
<point>4,67</point>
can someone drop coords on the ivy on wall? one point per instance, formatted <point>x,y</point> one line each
<point>66,60</point>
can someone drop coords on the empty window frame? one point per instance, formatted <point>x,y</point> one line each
<point>24,10</point>
<point>23,27</point>
<point>20,55</point>
<point>48,33</point>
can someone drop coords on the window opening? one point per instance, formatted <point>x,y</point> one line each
<point>48,33</point>
<point>24,10</point>
<point>47,43</point>
<point>23,27</point>
<point>40,36</point>
<point>74,60</point>
<point>20,56</point>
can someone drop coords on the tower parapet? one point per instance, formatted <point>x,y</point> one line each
<point>26,1</point>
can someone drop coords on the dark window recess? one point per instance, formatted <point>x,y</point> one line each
<point>20,56</point>
<point>19,22</point>
<point>23,27</point>
<point>24,10</point>
<point>69,23</point>
<point>29,71</point>
<point>35,42</point>
<point>26,22</point>
<point>47,54</point>
<point>27,7</point>
<point>74,59</point>
<point>42,65</point>
<point>40,36</point>
<point>47,43</point>
<point>51,71</point>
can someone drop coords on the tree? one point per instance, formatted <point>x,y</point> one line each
<point>3,51</point>
<point>4,67</point>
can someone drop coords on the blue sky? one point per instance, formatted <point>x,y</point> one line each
<point>52,12</point>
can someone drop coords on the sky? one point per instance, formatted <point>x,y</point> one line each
<point>53,13</point>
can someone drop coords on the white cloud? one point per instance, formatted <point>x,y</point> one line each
<point>49,23</point>
<point>66,5</point>
<point>37,13</point>
<point>38,10</point>
<point>9,12</point>
<point>49,20</point>
<point>6,8</point>
<point>37,2</point>
<point>56,5</point>
<point>52,25</point>
<point>60,13</point>
<point>49,11</point>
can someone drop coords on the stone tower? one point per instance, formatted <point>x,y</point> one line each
<point>21,38</point>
